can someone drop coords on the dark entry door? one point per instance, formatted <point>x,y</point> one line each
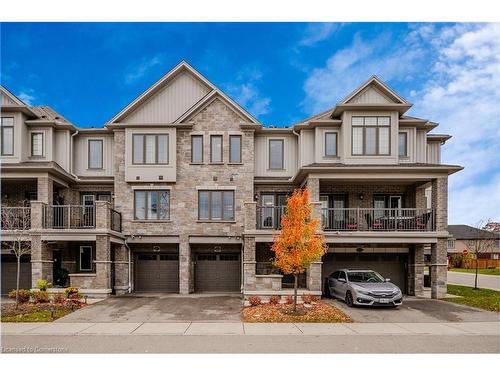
<point>157,272</point>
<point>217,272</point>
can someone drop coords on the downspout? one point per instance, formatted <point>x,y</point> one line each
<point>71,157</point>
<point>129,267</point>
<point>298,150</point>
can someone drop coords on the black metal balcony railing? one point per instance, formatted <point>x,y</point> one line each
<point>116,220</point>
<point>15,218</point>
<point>69,217</point>
<point>358,219</point>
<point>269,217</point>
<point>378,219</point>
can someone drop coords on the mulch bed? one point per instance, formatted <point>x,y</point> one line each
<point>318,312</point>
<point>37,312</point>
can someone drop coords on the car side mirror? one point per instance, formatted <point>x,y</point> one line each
<point>387,280</point>
<point>341,279</point>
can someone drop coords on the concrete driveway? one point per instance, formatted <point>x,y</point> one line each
<point>467,279</point>
<point>160,308</point>
<point>418,310</point>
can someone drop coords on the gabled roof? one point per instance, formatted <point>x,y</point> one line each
<point>183,66</point>
<point>380,85</point>
<point>14,99</point>
<point>466,232</point>
<point>47,113</point>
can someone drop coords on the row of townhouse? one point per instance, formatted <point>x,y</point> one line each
<point>183,189</point>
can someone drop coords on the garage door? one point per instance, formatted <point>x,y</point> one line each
<point>157,273</point>
<point>217,272</point>
<point>9,269</point>
<point>389,265</point>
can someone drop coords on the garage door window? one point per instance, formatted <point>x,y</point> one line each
<point>85,258</point>
<point>207,257</point>
<point>228,257</point>
<point>169,257</point>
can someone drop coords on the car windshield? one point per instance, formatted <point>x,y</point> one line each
<point>365,277</point>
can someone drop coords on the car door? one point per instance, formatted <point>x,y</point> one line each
<point>341,285</point>
<point>332,281</point>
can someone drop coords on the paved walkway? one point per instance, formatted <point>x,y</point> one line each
<point>251,329</point>
<point>467,279</point>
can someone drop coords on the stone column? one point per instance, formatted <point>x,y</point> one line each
<point>314,277</point>
<point>438,268</point>
<point>102,215</point>
<point>37,215</point>
<point>45,189</point>
<point>249,263</point>
<point>103,263</point>
<point>440,202</point>
<point>41,260</point>
<point>250,215</point>
<point>313,187</point>
<point>420,199</point>
<point>184,264</point>
<point>416,271</point>
<point>121,269</point>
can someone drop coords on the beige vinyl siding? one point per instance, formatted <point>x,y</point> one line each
<point>319,145</point>
<point>434,152</point>
<point>48,141</point>
<point>370,95</point>
<point>262,156</point>
<point>150,172</point>
<point>61,148</point>
<point>171,102</point>
<point>5,100</point>
<point>80,152</point>
<point>345,141</point>
<point>421,147</point>
<point>306,147</point>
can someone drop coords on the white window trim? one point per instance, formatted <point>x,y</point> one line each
<point>80,258</point>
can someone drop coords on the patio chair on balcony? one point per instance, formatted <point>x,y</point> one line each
<point>375,225</point>
<point>422,220</point>
<point>352,224</point>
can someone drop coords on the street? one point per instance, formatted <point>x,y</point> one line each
<point>467,279</point>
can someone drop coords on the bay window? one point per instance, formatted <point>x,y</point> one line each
<point>371,135</point>
<point>150,148</point>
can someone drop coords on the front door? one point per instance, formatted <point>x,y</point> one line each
<point>56,267</point>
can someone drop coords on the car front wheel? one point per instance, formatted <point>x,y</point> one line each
<point>348,299</point>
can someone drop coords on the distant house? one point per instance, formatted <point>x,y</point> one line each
<point>461,234</point>
<point>492,226</point>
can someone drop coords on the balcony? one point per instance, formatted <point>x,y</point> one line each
<point>81,217</point>
<point>357,219</point>
<point>15,218</point>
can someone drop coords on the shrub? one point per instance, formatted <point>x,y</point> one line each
<point>61,277</point>
<point>71,292</point>
<point>274,300</point>
<point>24,295</point>
<point>254,300</point>
<point>42,284</point>
<point>308,298</point>
<point>59,297</point>
<point>41,296</point>
<point>456,260</point>
<point>289,300</point>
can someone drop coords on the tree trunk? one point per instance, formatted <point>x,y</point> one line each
<point>295,286</point>
<point>475,279</point>
<point>17,278</point>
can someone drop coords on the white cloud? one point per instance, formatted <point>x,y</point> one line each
<point>454,73</point>
<point>27,96</point>
<point>317,32</point>
<point>139,70</point>
<point>247,93</point>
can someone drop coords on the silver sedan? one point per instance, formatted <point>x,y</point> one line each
<point>363,287</point>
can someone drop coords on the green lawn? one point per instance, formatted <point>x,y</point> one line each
<point>38,316</point>
<point>487,271</point>
<point>485,299</point>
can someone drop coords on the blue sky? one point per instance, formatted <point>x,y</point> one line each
<point>281,73</point>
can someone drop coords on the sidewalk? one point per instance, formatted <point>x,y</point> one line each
<point>251,329</point>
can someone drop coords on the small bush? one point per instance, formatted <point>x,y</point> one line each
<point>72,292</point>
<point>24,295</point>
<point>59,298</point>
<point>254,300</point>
<point>274,300</point>
<point>309,298</point>
<point>456,260</point>
<point>289,300</point>
<point>43,285</point>
<point>41,296</point>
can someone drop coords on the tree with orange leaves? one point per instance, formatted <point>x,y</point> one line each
<point>298,245</point>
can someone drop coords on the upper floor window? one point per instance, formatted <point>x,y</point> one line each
<point>371,135</point>
<point>196,149</point>
<point>276,160</point>
<point>95,154</point>
<point>235,148</point>
<point>403,144</point>
<point>330,144</point>
<point>216,149</point>
<point>36,144</point>
<point>451,244</point>
<point>151,205</point>
<point>216,205</point>
<point>150,149</point>
<point>7,134</point>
